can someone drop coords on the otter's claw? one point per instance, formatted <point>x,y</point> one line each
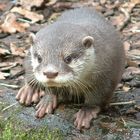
<point>27,95</point>
<point>46,105</point>
<point>84,117</point>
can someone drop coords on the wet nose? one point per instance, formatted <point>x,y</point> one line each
<point>50,74</point>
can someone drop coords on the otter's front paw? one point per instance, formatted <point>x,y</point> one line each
<point>84,117</point>
<point>27,95</point>
<point>46,105</point>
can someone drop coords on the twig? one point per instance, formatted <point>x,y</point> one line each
<point>127,19</point>
<point>17,74</point>
<point>6,108</point>
<point>10,86</point>
<point>127,16</point>
<point>24,20</point>
<point>8,67</point>
<point>123,103</point>
<point>135,31</point>
<point>124,122</point>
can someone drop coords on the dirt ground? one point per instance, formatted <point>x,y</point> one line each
<point>18,18</point>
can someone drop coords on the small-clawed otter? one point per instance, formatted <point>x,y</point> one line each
<point>80,54</point>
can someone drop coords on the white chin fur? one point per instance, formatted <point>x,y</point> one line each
<point>58,81</point>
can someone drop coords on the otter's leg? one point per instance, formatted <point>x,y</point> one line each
<point>84,116</point>
<point>28,95</point>
<point>46,105</point>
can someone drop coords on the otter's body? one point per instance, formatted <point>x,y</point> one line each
<point>80,54</point>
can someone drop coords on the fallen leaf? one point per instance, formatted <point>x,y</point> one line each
<point>7,64</point>
<point>126,88</point>
<point>131,111</point>
<point>103,1</point>
<point>16,70</point>
<point>3,75</point>
<point>34,17</point>
<point>51,2</point>
<point>135,1</point>
<point>28,4</point>
<point>118,20</point>
<point>8,67</point>
<point>135,52</point>
<point>126,46</point>
<point>4,51</point>
<point>17,51</point>
<point>2,6</point>
<point>10,24</point>
<point>132,63</point>
<point>127,75</point>
<point>133,70</point>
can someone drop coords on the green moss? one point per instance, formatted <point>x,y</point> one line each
<point>14,129</point>
<point>3,105</point>
<point>9,131</point>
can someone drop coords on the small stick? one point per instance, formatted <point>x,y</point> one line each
<point>124,122</point>
<point>123,103</point>
<point>24,20</point>
<point>8,67</point>
<point>10,86</point>
<point>135,31</point>
<point>127,18</point>
<point>6,108</point>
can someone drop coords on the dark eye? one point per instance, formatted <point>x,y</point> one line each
<point>38,57</point>
<point>68,59</point>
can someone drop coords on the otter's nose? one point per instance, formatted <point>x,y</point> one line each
<point>50,74</point>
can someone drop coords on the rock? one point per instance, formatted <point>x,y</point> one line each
<point>62,119</point>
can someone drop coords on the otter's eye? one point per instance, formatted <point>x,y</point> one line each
<point>38,57</point>
<point>68,59</point>
<point>71,57</point>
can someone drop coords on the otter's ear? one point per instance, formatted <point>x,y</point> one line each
<point>88,41</point>
<point>32,38</point>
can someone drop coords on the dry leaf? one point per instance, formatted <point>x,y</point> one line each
<point>135,1</point>
<point>131,63</point>
<point>10,24</point>
<point>4,51</point>
<point>133,70</point>
<point>16,50</point>
<point>7,64</point>
<point>8,67</point>
<point>103,1</point>
<point>135,52</point>
<point>126,46</point>
<point>126,88</point>
<point>16,70</point>
<point>28,4</point>
<point>4,75</point>
<point>34,17</point>
<point>51,2</point>
<point>118,20</point>
<point>2,6</point>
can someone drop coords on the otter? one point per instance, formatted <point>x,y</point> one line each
<point>79,55</point>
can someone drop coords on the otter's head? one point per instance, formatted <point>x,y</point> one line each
<point>61,54</point>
